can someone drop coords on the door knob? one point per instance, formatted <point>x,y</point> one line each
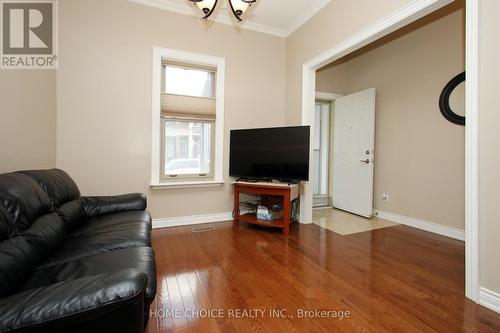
<point>367,161</point>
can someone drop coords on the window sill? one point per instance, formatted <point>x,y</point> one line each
<point>186,184</point>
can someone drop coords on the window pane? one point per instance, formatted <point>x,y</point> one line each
<point>187,147</point>
<point>189,82</point>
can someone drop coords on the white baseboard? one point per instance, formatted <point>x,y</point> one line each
<point>489,299</point>
<point>190,220</point>
<point>422,225</point>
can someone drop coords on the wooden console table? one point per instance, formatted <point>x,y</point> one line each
<point>288,192</point>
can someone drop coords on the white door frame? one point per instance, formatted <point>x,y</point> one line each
<point>400,18</point>
<point>328,97</point>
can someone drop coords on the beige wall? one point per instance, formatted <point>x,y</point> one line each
<point>489,151</point>
<point>27,119</point>
<point>419,154</point>
<point>338,21</point>
<point>104,95</point>
<point>332,79</point>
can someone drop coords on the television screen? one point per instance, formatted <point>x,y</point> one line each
<point>270,153</point>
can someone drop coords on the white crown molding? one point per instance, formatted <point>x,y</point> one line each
<point>489,299</point>
<point>266,29</point>
<point>220,18</point>
<point>422,225</point>
<point>306,15</point>
<point>165,5</point>
<point>225,19</point>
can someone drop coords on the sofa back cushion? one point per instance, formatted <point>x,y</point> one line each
<point>22,200</point>
<point>17,263</point>
<point>20,255</point>
<point>7,230</point>
<point>45,236</point>
<point>29,230</point>
<point>58,185</point>
<point>72,213</point>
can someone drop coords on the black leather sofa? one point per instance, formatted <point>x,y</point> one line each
<point>70,263</point>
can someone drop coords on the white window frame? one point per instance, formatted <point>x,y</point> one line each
<point>164,80</point>
<point>168,178</point>
<point>160,54</point>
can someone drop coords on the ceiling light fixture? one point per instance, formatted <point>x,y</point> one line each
<point>238,7</point>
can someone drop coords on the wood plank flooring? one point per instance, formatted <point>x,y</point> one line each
<point>395,279</point>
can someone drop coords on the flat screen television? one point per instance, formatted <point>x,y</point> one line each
<point>270,153</point>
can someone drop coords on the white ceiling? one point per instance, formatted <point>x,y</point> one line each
<point>275,17</point>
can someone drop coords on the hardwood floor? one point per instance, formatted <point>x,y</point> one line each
<point>395,279</point>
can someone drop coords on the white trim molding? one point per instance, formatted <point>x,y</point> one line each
<point>191,220</point>
<point>159,54</point>
<point>435,228</point>
<point>166,5</point>
<point>188,184</point>
<point>404,16</point>
<point>471,151</point>
<point>489,299</point>
<point>326,96</point>
<point>185,9</point>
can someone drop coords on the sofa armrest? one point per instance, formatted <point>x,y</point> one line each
<point>95,206</point>
<point>91,303</point>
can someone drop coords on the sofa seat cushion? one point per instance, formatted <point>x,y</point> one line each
<point>105,233</point>
<point>141,259</point>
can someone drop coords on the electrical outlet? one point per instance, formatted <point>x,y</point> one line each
<point>385,196</point>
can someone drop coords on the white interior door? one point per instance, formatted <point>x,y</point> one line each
<point>353,157</point>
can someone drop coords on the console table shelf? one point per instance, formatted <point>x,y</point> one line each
<point>252,218</point>
<point>288,192</point>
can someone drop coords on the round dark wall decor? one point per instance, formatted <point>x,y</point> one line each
<point>444,100</point>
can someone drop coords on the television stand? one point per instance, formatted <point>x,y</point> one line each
<point>251,180</point>
<point>267,181</point>
<point>288,192</point>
